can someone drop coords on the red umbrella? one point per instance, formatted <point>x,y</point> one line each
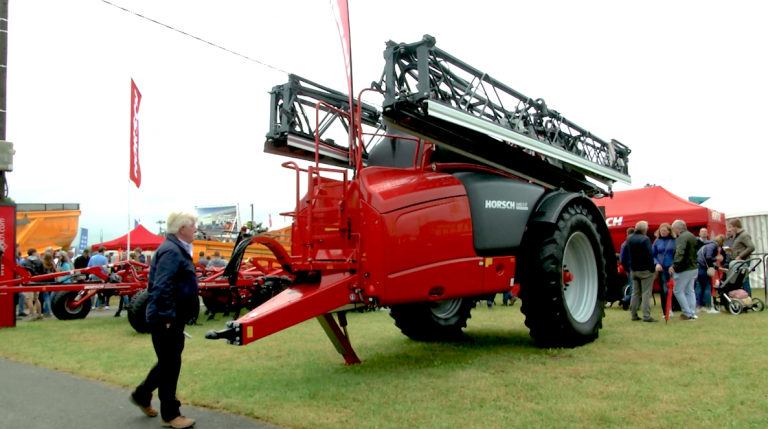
<point>670,285</point>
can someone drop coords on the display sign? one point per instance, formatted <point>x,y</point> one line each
<point>217,222</point>
<point>7,260</point>
<point>83,239</point>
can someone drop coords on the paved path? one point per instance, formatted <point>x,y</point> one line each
<point>33,397</point>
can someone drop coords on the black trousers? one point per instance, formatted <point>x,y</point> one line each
<point>164,376</point>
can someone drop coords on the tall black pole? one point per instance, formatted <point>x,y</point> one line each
<point>3,62</point>
<point>3,78</point>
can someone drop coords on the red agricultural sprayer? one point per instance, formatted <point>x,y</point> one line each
<point>463,189</point>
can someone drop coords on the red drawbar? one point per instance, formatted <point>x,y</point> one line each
<point>297,304</point>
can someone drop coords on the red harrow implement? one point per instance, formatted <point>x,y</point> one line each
<point>72,300</point>
<point>254,285</point>
<point>464,189</point>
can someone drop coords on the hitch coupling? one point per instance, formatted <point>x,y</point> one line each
<point>232,333</point>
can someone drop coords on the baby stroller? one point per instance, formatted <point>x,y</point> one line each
<point>730,293</point>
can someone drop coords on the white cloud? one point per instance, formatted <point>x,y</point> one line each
<point>682,84</point>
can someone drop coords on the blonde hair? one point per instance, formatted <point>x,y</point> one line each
<point>64,257</point>
<point>720,240</point>
<point>178,219</point>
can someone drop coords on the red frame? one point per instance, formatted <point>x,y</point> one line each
<point>134,277</point>
<point>387,236</point>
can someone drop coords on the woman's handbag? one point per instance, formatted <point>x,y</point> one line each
<point>711,271</point>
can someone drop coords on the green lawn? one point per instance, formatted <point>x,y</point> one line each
<point>686,374</point>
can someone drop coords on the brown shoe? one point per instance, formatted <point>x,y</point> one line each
<point>149,410</point>
<point>684,317</point>
<point>180,422</point>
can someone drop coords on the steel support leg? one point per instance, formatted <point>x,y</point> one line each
<point>338,338</point>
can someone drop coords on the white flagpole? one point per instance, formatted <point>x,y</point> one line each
<point>129,219</point>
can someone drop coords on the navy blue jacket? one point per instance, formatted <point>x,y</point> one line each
<point>707,254</point>
<point>638,254</point>
<point>624,257</point>
<point>172,284</point>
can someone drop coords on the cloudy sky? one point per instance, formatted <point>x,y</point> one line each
<point>683,84</point>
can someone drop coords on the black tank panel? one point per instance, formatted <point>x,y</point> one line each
<point>500,210</point>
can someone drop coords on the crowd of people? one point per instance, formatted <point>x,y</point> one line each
<point>39,303</point>
<point>694,263</point>
<point>205,261</point>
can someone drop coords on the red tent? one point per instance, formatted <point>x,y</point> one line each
<point>140,237</point>
<point>655,205</point>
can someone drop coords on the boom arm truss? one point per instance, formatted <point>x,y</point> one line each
<point>437,96</point>
<point>293,109</point>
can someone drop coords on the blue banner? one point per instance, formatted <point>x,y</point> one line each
<point>83,240</point>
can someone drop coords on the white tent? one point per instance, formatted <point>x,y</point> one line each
<point>756,224</point>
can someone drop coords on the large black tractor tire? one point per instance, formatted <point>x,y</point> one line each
<point>59,307</point>
<point>557,314</point>
<point>433,321</point>
<point>137,312</point>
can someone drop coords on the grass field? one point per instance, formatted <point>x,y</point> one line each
<point>699,374</point>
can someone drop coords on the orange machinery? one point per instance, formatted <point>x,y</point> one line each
<point>282,236</point>
<point>41,225</point>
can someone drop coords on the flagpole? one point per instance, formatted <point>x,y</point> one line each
<point>129,219</point>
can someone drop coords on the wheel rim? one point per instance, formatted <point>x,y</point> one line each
<point>70,299</point>
<point>581,293</point>
<point>735,307</point>
<point>446,309</point>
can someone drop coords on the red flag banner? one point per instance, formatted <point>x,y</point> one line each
<point>341,14</point>
<point>135,173</point>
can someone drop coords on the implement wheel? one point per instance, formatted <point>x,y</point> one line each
<point>137,312</point>
<point>563,288</point>
<point>60,305</point>
<point>433,321</point>
<point>213,305</point>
